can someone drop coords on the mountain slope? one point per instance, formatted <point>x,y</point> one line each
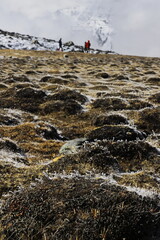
<point>17,41</point>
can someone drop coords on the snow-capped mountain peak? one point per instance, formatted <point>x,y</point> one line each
<point>96,25</point>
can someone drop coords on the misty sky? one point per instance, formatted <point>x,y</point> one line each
<point>135,23</point>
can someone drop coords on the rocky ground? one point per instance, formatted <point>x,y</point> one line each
<point>79,146</point>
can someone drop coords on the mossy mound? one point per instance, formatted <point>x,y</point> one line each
<point>106,156</point>
<point>20,78</point>
<point>79,209</point>
<point>155,98</point>
<point>138,104</point>
<point>110,103</point>
<point>54,80</point>
<point>103,75</point>
<point>109,120</point>
<point>8,120</point>
<point>69,107</point>
<point>85,157</point>
<point>149,120</point>
<point>154,80</point>
<point>26,99</point>
<point>133,155</point>
<point>31,93</point>
<point>10,145</point>
<point>67,94</point>
<point>115,133</point>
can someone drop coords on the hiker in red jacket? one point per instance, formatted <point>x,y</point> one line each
<point>85,46</point>
<point>89,44</point>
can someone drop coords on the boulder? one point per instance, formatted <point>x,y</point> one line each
<point>68,44</point>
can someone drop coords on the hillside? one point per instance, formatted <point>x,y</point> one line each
<point>79,146</point>
<point>17,41</point>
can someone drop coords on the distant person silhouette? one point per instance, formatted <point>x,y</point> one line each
<point>89,44</point>
<point>85,46</point>
<point>60,44</point>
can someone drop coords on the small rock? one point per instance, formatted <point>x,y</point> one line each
<point>72,146</point>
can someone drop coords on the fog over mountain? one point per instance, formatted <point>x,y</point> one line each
<point>128,27</point>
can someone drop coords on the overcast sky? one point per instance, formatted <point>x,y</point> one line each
<point>136,24</point>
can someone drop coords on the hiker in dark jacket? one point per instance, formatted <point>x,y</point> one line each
<point>89,44</point>
<point>60,44</point>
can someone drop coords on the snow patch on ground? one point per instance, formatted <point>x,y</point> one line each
<point>108,179</point>
<point>12,158</point>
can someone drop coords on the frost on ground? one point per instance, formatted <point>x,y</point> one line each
<point>79,146</point>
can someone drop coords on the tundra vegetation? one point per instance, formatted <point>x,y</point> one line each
<point>79,146</point>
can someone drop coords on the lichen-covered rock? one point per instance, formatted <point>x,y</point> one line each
<point>72,146</point>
